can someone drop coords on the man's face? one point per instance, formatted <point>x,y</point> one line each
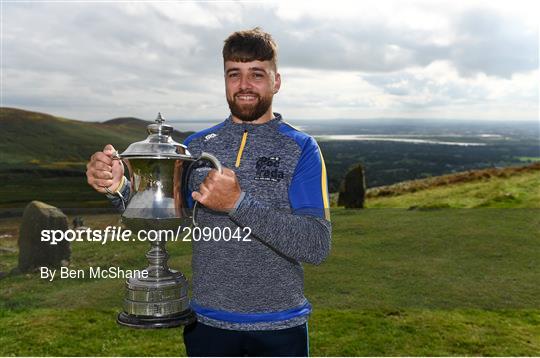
<point>249,87</point>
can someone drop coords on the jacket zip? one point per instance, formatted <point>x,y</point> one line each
<point>241,149</point>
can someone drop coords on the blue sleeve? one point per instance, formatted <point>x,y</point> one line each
<point>308,191</point>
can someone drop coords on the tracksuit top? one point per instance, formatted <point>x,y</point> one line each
<point>259,284</point>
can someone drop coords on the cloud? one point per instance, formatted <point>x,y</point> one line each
<point>100,60</point>
<point>474,41</point>
<point>493,44</point>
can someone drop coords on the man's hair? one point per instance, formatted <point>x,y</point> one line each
<point>250,45</point>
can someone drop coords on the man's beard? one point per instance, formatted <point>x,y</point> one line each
<point>249,113</point>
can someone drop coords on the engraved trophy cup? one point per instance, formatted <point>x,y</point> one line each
<point>158,169</point>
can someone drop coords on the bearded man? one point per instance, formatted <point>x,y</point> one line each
<point>248,293</point>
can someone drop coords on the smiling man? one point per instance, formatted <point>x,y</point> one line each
<point>250,85</point>
<point>248,296</point>
<point>248,290</point>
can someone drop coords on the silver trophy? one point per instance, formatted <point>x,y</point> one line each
<point>159,171</point>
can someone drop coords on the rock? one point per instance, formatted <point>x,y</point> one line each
<point>33,253</point>
<point>353,189</point>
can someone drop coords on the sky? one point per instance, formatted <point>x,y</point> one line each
<point>91,60</point>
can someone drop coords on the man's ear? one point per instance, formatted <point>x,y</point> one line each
<point>277,83</point>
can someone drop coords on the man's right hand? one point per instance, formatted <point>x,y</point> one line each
<point>104,172</point>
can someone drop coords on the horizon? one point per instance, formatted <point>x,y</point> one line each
<point>314,120</point>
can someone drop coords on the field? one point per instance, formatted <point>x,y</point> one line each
<point>398,282</point>
<point>443,266</point>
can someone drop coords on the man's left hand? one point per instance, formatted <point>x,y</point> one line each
<point>219,191</point>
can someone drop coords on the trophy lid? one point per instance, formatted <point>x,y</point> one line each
<point>158,145</point>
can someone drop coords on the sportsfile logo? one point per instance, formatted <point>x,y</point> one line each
<point>117,233</point>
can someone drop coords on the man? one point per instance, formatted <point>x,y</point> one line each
<point>248,293</point>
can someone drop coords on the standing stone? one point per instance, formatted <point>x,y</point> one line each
<point>33,252</point>
<point>353,189</point>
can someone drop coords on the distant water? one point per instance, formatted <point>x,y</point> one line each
<point>396,138</point>
<point>197,125</point>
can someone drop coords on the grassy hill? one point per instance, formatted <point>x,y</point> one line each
<point>514,187</point>
<point>458,279</point>
<point>398,282</point>
<point>37,138</point>
<point>43,157</point>
<point>493,188</point>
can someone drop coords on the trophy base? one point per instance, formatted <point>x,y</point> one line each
<point>159,301</point>
<point>133,321</point>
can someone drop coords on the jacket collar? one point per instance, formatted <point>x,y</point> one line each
<point>250,127</point>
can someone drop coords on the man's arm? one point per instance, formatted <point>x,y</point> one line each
<point>302,235</point>
<point>305,234</point>
<point>304,238</point>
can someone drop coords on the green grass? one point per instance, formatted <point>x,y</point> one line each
<point>398,282</point>
<point>82,332</point>
<point>424,333</point>
<point>517,191</point>
<point>528,159</point>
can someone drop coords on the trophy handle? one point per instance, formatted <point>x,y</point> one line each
<point>212,159</point>
<point>217,165</point>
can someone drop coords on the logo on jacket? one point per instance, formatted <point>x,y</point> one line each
<point>268,169</point>
<point>209,136</point>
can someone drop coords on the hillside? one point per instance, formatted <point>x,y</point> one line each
<point>514,187</point>
<point>43,157</point>
<point>398,282</point>
<point>124,121</point>
<point>30,138</point>
<point>132,124</point>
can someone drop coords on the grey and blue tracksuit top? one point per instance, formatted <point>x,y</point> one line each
<point>259,284</point>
